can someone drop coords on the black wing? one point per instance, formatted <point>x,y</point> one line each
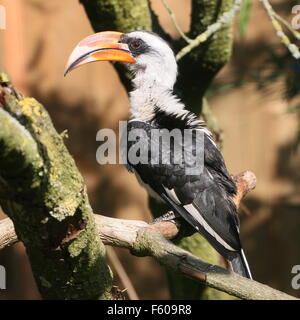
<point>203,200</point>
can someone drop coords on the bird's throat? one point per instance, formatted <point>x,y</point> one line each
<point>148,98</point>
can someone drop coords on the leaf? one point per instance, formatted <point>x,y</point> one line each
<point>296,143</point>
<point>294,108</point>
<point>244,17</point>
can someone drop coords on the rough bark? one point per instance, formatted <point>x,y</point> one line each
<point>43,193</point>
<point>196,72</point>
<point>143,239</point>
<point>200,66</point>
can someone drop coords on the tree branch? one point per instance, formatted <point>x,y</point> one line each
<point>143,239</point>
<point>224,19</point>
<point>175,22</point>
<point>294,50</point>
<point>43,193</point>
<point>198,68</point>
<point>8,234</point>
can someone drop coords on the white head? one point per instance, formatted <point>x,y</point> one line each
<point>145,54</point>
<point>155,61</point>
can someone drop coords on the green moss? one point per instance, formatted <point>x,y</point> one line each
<point>123,16</point>
<point>45,283</point>
<point>4,78</point>
<point>184,288</point>
<point>200,66</point>
<point>43,192</point>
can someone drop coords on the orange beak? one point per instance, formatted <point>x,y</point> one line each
<point>101,46</point>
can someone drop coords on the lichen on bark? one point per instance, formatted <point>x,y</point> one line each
<point>43,193</point>
<point>125,15</point>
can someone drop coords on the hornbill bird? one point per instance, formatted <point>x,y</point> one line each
<point>204,199</point>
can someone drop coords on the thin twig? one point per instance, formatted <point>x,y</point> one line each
<point>279,31</point>
<point>225,18</point>
<point>113,257</point>
<point>245,209</point>
<point>294,32</point>
<point>175,22</point>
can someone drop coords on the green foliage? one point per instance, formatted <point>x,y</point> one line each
<point>244,17</point>
<point>294,108</point>
<point>183,288</point>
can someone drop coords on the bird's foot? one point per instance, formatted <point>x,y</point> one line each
<point>184,229</point>
<point>169,216</point>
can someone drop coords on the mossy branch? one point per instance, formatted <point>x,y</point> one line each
<point>276,20</point>
<point>143,239</point>
<point>225,19</point>
<point>43,193</point>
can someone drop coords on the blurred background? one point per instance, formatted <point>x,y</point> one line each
<point>254,99</point>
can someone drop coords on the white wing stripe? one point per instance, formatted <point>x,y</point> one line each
<point>197,216</point>
<point>194,212</point>
<point>171,193</point>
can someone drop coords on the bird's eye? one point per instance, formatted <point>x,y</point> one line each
<point>136,44</point>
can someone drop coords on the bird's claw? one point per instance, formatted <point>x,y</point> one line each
<point>184,229</point>
<point>169,216</point>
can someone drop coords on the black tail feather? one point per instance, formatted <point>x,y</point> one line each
<point>237,259</point>
<point>240,266</point>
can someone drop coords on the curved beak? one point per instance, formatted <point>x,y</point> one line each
<point>101,46</point>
